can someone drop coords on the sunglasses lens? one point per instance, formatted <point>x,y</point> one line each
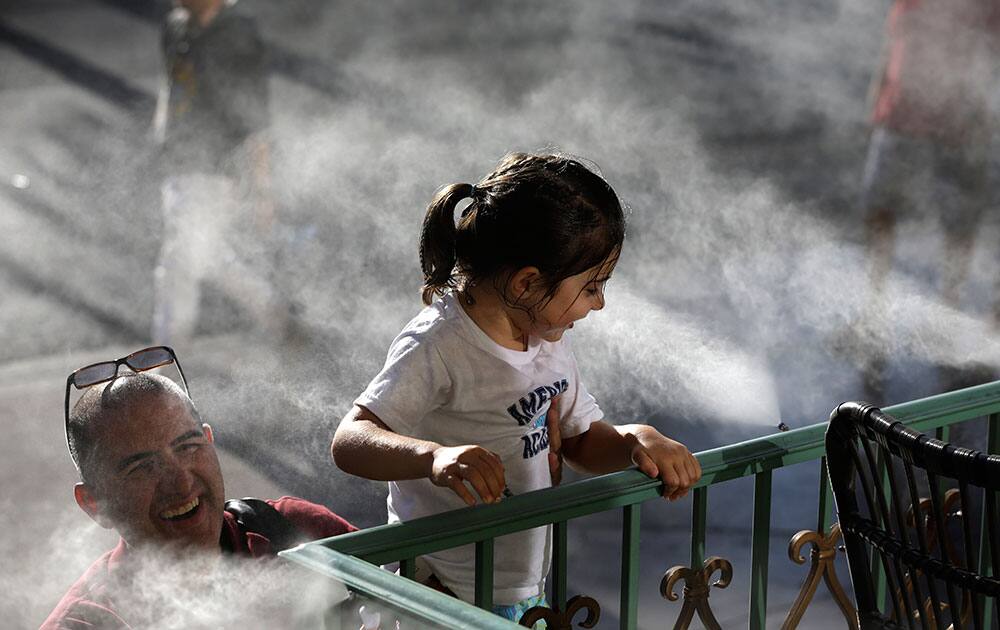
<point>148,359</point>
<point>93,374</point>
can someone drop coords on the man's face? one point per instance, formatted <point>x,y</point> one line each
<point>155,475</point>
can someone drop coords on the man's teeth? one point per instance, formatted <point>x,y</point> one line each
<point>178,511</point>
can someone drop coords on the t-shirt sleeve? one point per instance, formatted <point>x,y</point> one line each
<point>413,382</point>
<point>577,407</point>
<point>311,518</point>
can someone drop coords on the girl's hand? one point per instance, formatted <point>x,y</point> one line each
<point>659,456</point>
<point>454,465</point>
<point>555,442</point>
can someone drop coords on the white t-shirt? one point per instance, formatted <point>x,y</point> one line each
<point>445,380</point>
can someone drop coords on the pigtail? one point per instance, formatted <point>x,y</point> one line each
<point>437,241</point>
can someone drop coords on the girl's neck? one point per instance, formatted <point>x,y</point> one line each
<point>493,317</point>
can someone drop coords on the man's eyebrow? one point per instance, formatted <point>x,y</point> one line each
<point>193,433</point>
<point>131,459</point>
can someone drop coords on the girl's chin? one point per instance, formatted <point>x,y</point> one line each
<point>555,335</point>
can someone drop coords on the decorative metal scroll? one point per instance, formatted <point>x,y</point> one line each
<point>696,589</point>
<point>559,620</point>
<point>822,567</point>
<point>952,509</point>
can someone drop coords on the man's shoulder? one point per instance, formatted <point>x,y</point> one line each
<point>312,518</point>
<point>86,604</point>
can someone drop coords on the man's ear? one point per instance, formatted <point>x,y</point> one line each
<point>207,430</point>
<point>90,504</point>
<point>523,282</point>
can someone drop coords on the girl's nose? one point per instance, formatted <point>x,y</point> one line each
<point>599,301</point>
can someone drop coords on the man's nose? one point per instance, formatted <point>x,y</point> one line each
<point>177,477</point>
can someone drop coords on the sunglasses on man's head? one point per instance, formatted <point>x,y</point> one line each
<point>138,361</point>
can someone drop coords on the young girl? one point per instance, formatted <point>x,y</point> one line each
<point>460,408</point>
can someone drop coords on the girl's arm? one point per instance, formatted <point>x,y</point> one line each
<point>605,448</point>
<point>365,446</point>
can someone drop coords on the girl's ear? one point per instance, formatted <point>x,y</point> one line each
<point>523,282</point>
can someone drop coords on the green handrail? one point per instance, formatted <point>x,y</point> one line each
<point>757,457</point>
<point>419,601</point>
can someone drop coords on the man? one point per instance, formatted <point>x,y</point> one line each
<point>211,123</point>
<point>149,470</point>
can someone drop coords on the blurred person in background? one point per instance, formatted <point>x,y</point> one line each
<point>149,470</point>
<point>932,129</point>
<point>211,123</point>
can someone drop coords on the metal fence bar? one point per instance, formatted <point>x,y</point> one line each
<point>992,446</point>
<point>760,544</point>
<point>824,512</point>
<point>429,607</point>
<point>407,568</point>
<point>559,557</point>
<point>484,574</point>
<point>699,522</point>
<point>630,567</point>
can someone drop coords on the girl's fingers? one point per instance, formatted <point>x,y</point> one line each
<point>552,423</point>
<point>680,494</point>
<point>555,468</point>
<point>693,468</point>
<point>671,480</point>
<point>645,463</point>
<point>491,469</point>
<point>478,481</point>
<point>456,484</point>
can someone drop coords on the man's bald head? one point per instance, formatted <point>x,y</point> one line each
<point>114,400</point>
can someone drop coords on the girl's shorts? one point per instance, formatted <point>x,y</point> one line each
<point>515,611</point>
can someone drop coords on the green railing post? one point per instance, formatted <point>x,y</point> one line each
<point>407,568</point>
<point>630,566</point>
<point>699,520</point>
<point>825,511</point>
<point>484,574</point>
<point>760,543</point>
<point>559,557</point>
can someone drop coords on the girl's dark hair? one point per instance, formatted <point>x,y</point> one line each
<point>544,211</point>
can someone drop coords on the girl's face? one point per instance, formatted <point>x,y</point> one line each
<point>573,300</point>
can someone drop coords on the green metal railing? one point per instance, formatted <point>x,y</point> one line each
<point>347,557</point>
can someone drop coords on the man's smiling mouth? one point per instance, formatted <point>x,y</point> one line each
<point>181,512</point>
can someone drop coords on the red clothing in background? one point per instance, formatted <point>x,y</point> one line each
<point>939,66</point>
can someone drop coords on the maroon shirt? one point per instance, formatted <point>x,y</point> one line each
<point>88,603</point>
